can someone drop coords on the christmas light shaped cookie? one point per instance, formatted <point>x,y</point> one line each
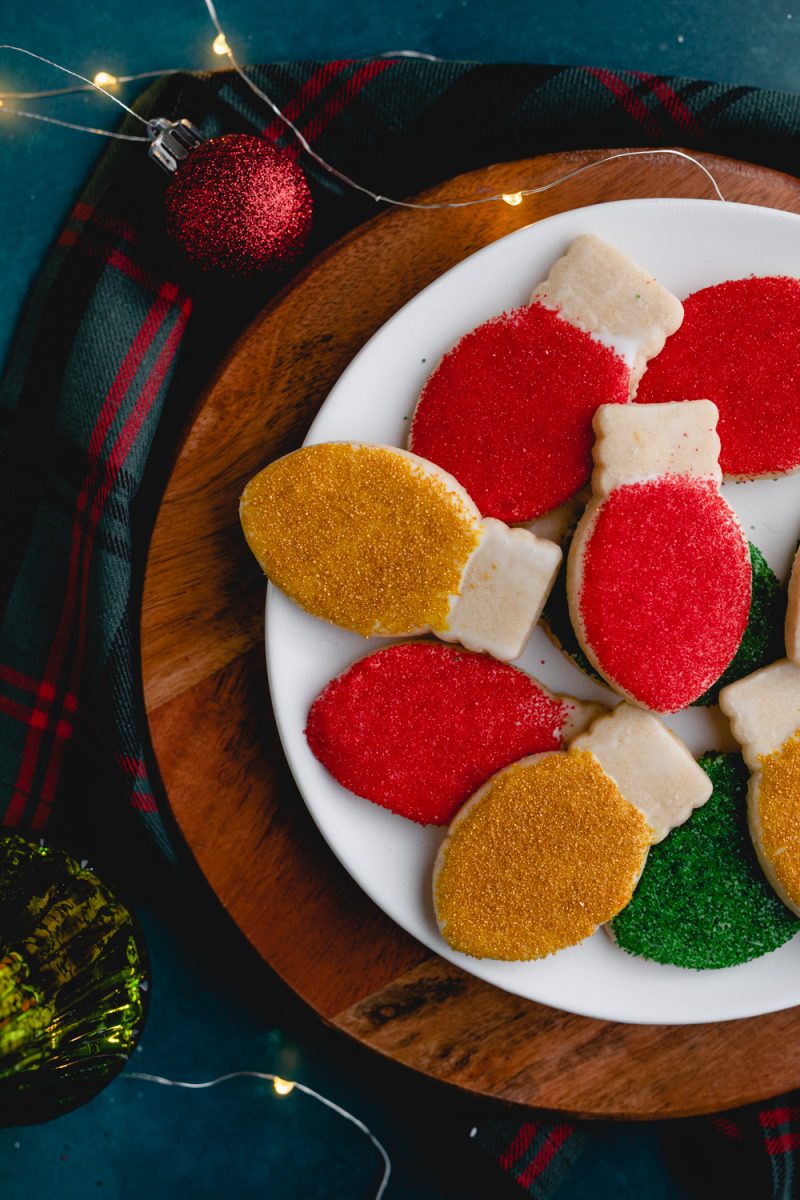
<point>739,346</point>
<point>659,572</point>
<point>553,846</point>
<point>379,541</point>
<point>764,711</point>
<point>417,727</point>
<point>508,410</point>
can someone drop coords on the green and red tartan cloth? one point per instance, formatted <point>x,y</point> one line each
<point>114,344</point>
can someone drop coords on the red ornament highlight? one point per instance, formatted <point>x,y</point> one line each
<point>238,205</point>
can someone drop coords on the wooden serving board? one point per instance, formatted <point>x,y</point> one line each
<point>215,739</point>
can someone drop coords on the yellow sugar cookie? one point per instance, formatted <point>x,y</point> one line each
<point>379,541</point>
<point>764,711</point>
<point>553,846</point>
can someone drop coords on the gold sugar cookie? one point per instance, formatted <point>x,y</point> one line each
<point>379,541</point>
<point>764,711</point>
<point>553,846</point>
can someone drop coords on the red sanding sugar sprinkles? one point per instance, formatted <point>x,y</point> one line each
<point>418,727</point>
<point>509,410</point>
<point>739,345</point>
<point>665,591</point>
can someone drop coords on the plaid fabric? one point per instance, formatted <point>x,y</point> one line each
<point>107,360</point>
<point>780,1127</point>
<point>535,1155</point>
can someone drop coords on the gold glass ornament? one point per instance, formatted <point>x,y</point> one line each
<point>73,983</point>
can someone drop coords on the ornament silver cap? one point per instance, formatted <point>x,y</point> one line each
<point>173,142</point>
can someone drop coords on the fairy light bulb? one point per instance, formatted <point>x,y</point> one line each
<point>104,79</point>
<point>513,198</point>
<point>282,1086</point>
<point>220,44</point>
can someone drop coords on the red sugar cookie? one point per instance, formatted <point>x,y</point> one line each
<point>418,726</point>
<point>508,411</point>
<point>739,345</point>
<point>666,589</point>
<point>659,574</point>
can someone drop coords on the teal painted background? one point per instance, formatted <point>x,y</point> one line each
<point>215,1007</point>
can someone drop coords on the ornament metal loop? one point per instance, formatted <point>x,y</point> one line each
<point>173,142</point>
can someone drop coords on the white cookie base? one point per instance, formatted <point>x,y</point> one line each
<point>635,442</point>
<point>503,591</point>
<point>763,709</point>
<point>601,290</point>
<point>651,767</point>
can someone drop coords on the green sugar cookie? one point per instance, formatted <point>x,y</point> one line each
<point>762,642</point>
<point>703,901</point>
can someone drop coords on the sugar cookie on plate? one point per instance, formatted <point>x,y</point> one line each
<point>508,410</point>
<point>553,846</point>
<point>418,727</point>
<point>659,573</point>
<point>764,711</point>
<point>739,345</point>
<point>377,540</point>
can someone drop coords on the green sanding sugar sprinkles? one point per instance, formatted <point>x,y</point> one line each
<point>702,901</point>
<point>761,643</point>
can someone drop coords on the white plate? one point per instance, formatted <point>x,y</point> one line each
<point>687,244</point>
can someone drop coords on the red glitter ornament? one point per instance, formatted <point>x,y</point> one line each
<point>739,345</point>
<point>508,411</point>
<point>238,205</point>
<point>665,590</point>
<point>418,727</point>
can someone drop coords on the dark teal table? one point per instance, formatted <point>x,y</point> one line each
<point>215,1008</point>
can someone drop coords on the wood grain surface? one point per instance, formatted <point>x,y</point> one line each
<point>215,739</point>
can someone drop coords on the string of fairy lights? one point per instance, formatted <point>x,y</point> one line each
<point>104,80</point>
<point>281,1087</point>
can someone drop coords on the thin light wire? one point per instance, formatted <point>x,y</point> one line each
<point>121,137</point>
<point>328,167</point>
<point>83,87</point>
<point>381,199</point>
<point>300,1087</point>
<point>76,75</point>
<point>405,54</point>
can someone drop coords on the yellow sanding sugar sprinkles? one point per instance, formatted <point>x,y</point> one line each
<point>363,536</point>
<point>779,814</point>
<point>541,856</point>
